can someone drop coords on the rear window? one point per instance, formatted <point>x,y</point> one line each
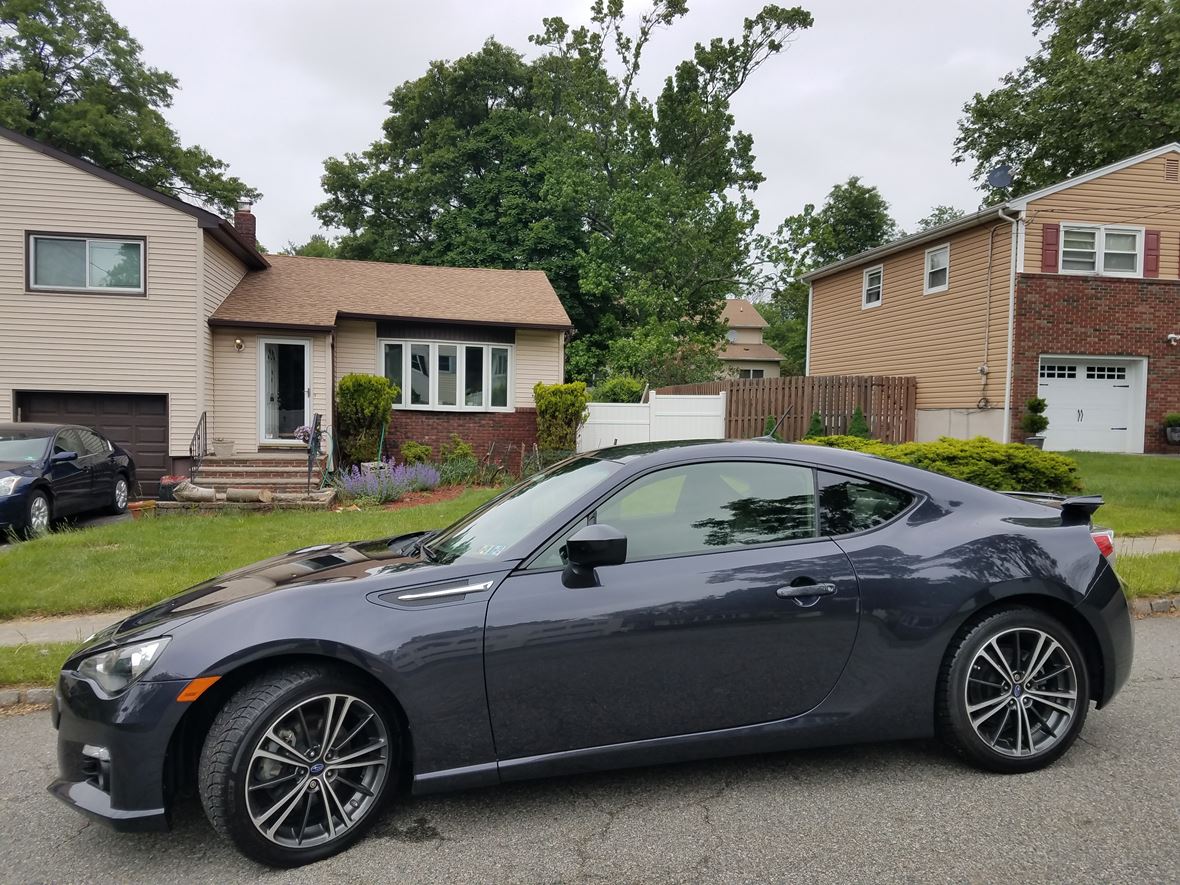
<point>848,505</point>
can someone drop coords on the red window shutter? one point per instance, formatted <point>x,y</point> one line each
<point>1151,253</point>
<point>1050,242</point>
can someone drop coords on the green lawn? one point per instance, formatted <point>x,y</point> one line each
<point>34,664</point>
<point>133,564</point>
<point>1156,574</point>
<point>1142,493</point>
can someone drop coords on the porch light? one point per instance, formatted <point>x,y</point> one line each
<point>238,345</point>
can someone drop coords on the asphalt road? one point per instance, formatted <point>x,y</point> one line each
<point>1109,811</point>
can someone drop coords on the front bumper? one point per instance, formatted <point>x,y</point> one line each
<point>12,511</point>
<point>120,779</point>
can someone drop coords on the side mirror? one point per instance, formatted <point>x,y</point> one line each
<point>590,547</point>
<point>58,457</point>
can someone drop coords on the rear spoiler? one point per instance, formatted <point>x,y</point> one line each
<point>1076,510</point>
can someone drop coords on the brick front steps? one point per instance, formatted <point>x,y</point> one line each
<point>276,471</point>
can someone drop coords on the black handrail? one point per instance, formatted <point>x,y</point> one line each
<point>313,448</point>
<point>197,448</point>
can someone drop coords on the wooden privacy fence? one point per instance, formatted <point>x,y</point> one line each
<point>889,403</point>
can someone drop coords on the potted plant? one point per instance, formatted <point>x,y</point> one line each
<point>1034,422</point>
<point>1172,427</point>
<point>223,448</point>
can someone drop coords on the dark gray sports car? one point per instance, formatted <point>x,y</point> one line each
<point>632,606</point>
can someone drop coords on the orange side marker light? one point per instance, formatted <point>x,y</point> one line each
<point>196,688</point>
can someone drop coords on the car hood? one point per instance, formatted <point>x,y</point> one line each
<point>386,563</point>
<point>20,468</point>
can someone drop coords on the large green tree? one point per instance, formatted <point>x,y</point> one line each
<point>1104,85</point>
<point>638,208</point>
<point>72,76</point>
<point>853,218</point>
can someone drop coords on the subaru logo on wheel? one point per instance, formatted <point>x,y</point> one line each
<point>317,768</point>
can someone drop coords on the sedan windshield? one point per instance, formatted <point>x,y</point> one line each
<point>23,445</point>
<point>486,534</point>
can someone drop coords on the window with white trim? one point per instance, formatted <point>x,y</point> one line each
<point>449,375</point>
<point>58,263</point>
<point>938,269</point>
<point>870,291</point>
<point>1101,249</point>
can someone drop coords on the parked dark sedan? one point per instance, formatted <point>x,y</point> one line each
<point>49,471</point>
<point>632,606</point>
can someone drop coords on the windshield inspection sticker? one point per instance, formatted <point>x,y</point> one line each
<point>491,550</point>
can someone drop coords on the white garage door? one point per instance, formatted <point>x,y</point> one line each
<point>1095,403</point>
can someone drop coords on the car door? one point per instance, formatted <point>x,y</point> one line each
<point>729,611</point>
<point>101,467</point>
<point>69,480</point>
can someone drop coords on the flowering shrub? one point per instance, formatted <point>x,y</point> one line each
<point>387,482</point>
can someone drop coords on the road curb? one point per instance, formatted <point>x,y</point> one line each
<point>1145,607</point>
<point>11,697</point>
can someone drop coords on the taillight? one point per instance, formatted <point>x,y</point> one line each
<point>1105,542</point>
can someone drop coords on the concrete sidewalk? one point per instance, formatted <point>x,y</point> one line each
<point>1147,545</point>
<point>72,628</point>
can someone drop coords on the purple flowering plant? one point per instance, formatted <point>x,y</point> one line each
<point>387,482</point>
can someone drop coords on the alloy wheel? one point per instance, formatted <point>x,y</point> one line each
<point>317,771</point>
<point>120,494</point>
<point>39,515</point>
<point>1022,692</point>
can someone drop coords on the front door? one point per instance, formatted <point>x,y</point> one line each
<point>284,388</point>
<point>708,625</point>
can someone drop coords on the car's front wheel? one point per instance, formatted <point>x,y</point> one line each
<point>297,764</point>
<point>1013,691</point>
<point>38,514</point>
<point>121,495</point>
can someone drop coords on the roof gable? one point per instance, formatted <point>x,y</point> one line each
<point>739,313</point>
<point>1023,201</point>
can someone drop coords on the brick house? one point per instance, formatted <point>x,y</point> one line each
<point>162,324</point>
<point>1071,293</point>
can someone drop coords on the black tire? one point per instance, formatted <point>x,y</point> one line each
<point>36,500</point>
<point>115,507</point>
<point>1001,741</point>
<point>228,764</point>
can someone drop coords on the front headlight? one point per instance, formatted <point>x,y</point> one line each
<point>114,670</point>
<point>8,484</point>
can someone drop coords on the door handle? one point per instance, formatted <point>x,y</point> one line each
<point>803,591</point>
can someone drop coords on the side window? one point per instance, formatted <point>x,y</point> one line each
<point>94,444</point>
<point>69,441</point>
<point>697,508</point>
<point>848,505</point>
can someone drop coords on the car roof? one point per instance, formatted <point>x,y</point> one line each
<point>38,426</point>
<point>677,450</point>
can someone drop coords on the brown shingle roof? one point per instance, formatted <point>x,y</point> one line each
<point>739,313</point>
<point>735,351</point>
<point>311,292</point>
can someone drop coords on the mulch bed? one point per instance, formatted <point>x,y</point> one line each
<point>433,496</point>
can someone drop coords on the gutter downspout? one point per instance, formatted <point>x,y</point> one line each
<point>1015,222</point>
<point>807,347</point>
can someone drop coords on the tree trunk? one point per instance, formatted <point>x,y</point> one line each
<point>249,496</point>
<point>186,491</point>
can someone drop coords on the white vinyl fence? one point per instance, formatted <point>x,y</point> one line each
<point>660,418</point>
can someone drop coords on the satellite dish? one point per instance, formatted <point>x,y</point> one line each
<point>1000,177</point>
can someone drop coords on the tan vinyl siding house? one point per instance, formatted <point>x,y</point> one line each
<point>745,354</point>
<point>1070,294</point>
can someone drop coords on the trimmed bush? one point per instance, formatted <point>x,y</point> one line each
<point>456,450</point>
<point>1034,420</point>
<point>858,426</point>
<point>561,410</point>
<point>816,427</point>
<point>415,452</point>
<point>363,403</point>
<point>770,428</point>
<point>1172,419</point>
<point>1010,467</point>
<point>619,389</point>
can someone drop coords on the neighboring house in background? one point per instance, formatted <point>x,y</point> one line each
<point>1071,293</point>
<point>745,354</point>
<point>138,314</point>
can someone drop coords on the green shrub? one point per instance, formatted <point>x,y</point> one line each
<point>1172,419</point>
<point>619,389</point>
<point>858,426</point>
<point>1034,420</point>
<point>363,403</point>
<point>415,452</point>
<point>456,450</point>
<point>561,410</point>
<point>458,471</point>
<point>770,428</point>
<point>1001,466</point>
<point>816,427</point>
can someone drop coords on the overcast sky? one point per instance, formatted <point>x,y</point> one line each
<point>874,88</point>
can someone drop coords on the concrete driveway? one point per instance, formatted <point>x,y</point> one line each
<point>1110,811</point>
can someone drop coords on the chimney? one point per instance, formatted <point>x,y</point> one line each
<point>244,222</point>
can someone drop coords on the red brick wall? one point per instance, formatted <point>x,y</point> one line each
<point>1099,316</point>
<point>508,431</point>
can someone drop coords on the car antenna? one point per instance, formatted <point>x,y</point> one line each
<point>770,437</point>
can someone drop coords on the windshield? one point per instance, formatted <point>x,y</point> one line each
<point>486,534</point>
<point>23,445</point>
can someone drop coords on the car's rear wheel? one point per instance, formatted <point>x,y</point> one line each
<point>297,764</point>
<point>38,514</point>
<point>1013,691</point>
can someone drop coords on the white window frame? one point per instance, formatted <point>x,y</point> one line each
<point>308,374</point>
<point>403,401</point>
<point>865,304</point>
<point>31,249</point>
<point>926,290</point>
<point>1100,231</point>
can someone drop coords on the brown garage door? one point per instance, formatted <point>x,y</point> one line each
<point>138,422</point>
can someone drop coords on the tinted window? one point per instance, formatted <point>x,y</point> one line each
<point>69,441</point>
<point>699,507</point>
<point>848,505</point>
<point>94,444</point>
